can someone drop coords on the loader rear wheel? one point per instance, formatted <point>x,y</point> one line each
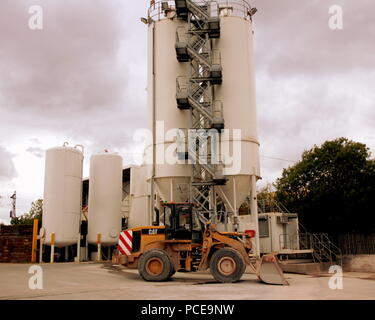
<point>154,265</point>
<point>227,265</point>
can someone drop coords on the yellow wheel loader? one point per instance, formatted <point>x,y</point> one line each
<point>179,245</point>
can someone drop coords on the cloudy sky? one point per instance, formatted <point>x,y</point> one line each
<point>82,79</point>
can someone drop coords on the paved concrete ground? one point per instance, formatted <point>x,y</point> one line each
<point>100,281</point>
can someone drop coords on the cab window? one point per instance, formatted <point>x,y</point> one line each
<point>184,218</point>
<point>167,217</point>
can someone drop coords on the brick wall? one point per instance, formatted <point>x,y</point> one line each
<point>15,243</point>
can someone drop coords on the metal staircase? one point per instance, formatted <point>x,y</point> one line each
<point>201,13</point>
<point>195,93</point>
<point>323,248</point>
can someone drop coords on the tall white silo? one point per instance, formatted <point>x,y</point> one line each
<point>62,195</point>
<point>105,198</point>
<point>171,178</point>
<point>237,93</point>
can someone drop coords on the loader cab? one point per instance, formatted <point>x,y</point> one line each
<point>178,221</point>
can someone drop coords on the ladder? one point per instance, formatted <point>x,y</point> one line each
<point>195,93</point>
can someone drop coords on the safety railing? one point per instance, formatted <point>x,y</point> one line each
<point>323,248</point>
<point>158,9</point>
<point>164,9</point>
<point>237,8</point>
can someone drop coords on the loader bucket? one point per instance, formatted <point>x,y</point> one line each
<point>269,270</point>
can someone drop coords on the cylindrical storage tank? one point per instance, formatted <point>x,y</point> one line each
<point>171,176</point>
<point>62,195</point>
<point>105,198</point>
<point>237,93</point>
<point>125,205</point>
<point>140,193</point>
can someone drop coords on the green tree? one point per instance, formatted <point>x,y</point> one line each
<point>35,212</point>
<point>332,188</point>
<point>266,198</point>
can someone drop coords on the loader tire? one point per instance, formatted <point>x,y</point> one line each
<point>227,265</point>
<point>155,265</point>
<point>173,271</point>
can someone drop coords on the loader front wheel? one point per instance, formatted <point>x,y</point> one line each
<point>172,272</point>
<point>154,265</point>
<point>227,265</point>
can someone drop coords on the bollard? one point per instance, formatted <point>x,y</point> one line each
<point>52,246</point>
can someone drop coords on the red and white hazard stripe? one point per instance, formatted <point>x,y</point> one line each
<point>125,242</point>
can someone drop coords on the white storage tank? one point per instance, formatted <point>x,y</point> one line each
<point>171,176</point>
<point>105,198</point>
<point>140,193</point>
<point>238,96</point>
<point>62,195</point>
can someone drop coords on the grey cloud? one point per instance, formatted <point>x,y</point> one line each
<point>302,112</point>
<point>69,65</point>
<point>70,77</point>
<point>293,37</point>
<point>313,83</point>
<point>7,168</point>
<point>36,151</point>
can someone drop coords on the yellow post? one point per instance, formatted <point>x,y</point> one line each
<point>52,247</point>
<point>34,242</point>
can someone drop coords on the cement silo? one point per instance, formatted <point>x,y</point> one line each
<point>105,198</point>
<point>213,68</point>
<point>170,176</point>
<point>62,195</point>
<point>238,92</point>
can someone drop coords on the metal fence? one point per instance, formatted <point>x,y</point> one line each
<point>356,243</point>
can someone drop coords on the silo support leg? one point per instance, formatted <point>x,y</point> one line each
<point>79,248</point>
<point>254,213</point>
<point>41,251</point>
<point>52,252</point>
<point>99,257</point>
